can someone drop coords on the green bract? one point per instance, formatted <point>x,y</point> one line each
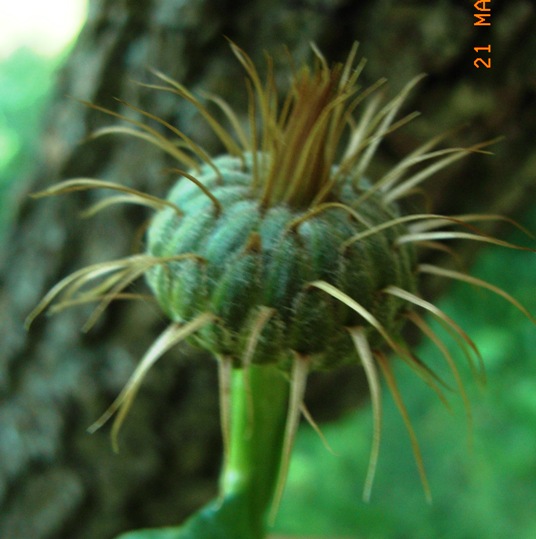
<point>248,258</point>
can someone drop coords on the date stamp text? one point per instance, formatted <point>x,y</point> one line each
<point>482,19</point>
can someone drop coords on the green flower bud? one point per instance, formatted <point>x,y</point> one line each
<point>280,252</point>
<point>251,257</point>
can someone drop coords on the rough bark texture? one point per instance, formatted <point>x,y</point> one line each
<point>56,481</point>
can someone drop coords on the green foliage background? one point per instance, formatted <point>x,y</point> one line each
<point>488,490</point>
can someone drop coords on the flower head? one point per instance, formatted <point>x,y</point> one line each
<point>281,251</point>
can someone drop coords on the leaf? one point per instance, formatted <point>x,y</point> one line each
<point>220,519</point>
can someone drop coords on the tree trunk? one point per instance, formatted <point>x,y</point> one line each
<point>57,481</point>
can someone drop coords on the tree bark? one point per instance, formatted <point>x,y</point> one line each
<point>56,481</point>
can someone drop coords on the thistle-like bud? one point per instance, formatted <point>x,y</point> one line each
<point>281,252</point>
<point>251,258</point>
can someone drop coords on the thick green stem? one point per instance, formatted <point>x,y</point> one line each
<point>259,410</point>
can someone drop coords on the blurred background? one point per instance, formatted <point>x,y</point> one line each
<point>35,38</point>
<point>484,488</point>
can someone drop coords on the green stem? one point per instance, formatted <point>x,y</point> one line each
<point>251,469</point>
<point>259,410</point>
